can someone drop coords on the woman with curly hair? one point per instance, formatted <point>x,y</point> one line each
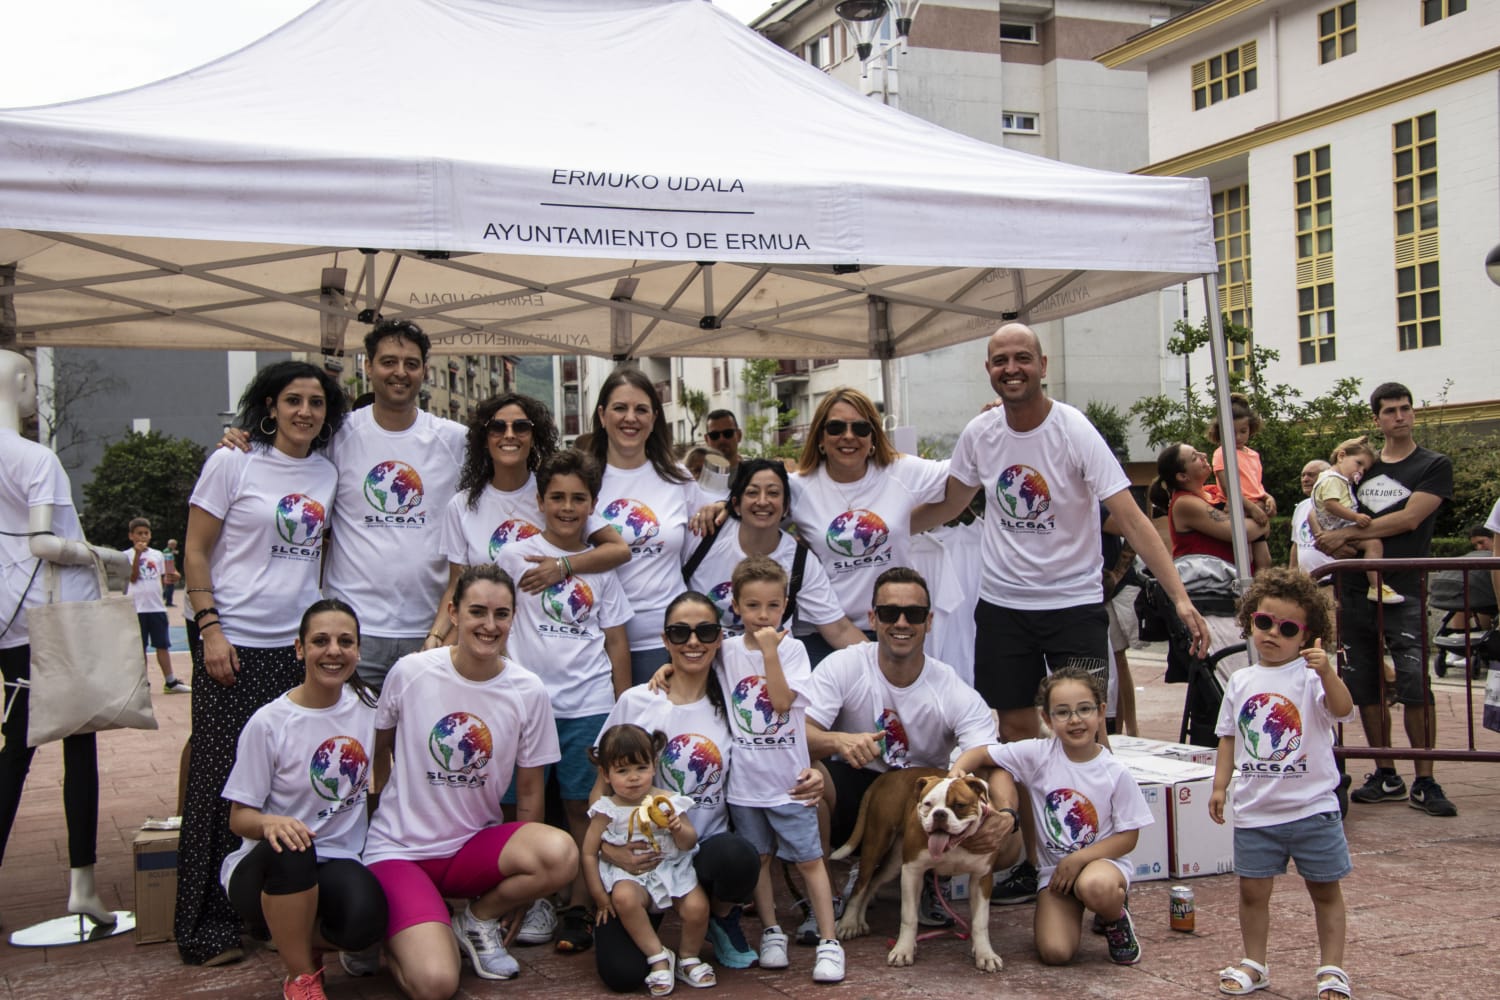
<point>254,550</point>
<point>510,436</point>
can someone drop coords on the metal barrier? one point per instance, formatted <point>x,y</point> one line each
<point>1423,566</point>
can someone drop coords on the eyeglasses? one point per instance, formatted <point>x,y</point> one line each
<point>1062,713</point>
<point>1288,627</point>
<point>890,614</point>
<point>719,435</point>
<point>678,634</point>
<point>836,428</point>
<point>498,427</point>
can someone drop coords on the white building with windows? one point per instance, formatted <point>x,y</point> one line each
<point>1354,153</point>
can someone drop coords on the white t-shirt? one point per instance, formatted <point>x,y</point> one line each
<point>816,602</point>
<point>770,747</point>
<point>265,564</point>
<point>921,722</point>
<point>312,764</point>
<point>859,530</point>
<point>1309,557</point>
<point>1283,744</point>
<point>1494,520</point>
<point>457,744</point>
<point>33,477</point>
<point>950,560</point>
<point>1073,805</point>
<point>393,485</point>
<point>475,537</point>
<point>695,761</point>
<point>146,590</point>
<point>1041,519</point>
<point>559,634</point>
<point>652,516</point>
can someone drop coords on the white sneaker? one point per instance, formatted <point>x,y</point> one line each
<point>828,967</point>
<point>361,963</point>
<point>481,941</point>
<point>539,924</point>
<point>773,949</point>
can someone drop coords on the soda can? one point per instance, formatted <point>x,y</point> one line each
<point>1183,915</point>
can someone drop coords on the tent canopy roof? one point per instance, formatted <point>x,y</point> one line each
<point>608,177</point>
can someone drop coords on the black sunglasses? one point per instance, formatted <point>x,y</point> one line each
<point>497,426</point>
<point>678,634</point>
<point>1289,628</point>
<point>716,435</point>
<point>890,614</point>
<point>836,428</point>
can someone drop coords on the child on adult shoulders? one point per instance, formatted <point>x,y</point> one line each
<point>1276,742</point>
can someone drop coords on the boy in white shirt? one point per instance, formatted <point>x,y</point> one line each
<point>765,674</point>
<point>147,569</point>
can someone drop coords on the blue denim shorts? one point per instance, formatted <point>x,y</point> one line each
<point>791,830</point>
<point>575,775</point>
<point>1316,843</point>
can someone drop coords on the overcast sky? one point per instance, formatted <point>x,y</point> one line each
<point>61,50</point>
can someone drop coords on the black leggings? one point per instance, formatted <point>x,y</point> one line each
<point>80,769</point>
<point>727,868</point>
<point>351,905</point>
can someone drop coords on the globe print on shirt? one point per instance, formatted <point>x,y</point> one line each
<point>393,488</point>
<point>635,522</point>
<point>723,598</point>
<point>894,746</point>
<point>460,742</point>
<point>512,530</point>
<point>856,533</point>
<point>340,768</point>
<point>751,708</point>
<point>691,765</point>
<point>299,520</point>
<point>1270,726</point>
<point>1023,493</point>
<point>568,602</point>
<point>1071,821</point>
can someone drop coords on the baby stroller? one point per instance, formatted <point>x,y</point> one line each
<point>1466,633</point>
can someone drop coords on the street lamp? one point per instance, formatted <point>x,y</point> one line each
<point>863,17</point>
<point>1492,263</point>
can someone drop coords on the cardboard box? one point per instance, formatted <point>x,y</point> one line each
<point>1138,746</point>
<point>155,885</point>
<point>1150,857</point>
<point>1196,845</point>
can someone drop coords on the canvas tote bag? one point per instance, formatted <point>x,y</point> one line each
<point>87,670</point>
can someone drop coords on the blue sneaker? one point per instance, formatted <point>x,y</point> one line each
<point>730,947</point>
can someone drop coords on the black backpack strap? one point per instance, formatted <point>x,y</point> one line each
<point>696,559</point>
<point>794,584</point>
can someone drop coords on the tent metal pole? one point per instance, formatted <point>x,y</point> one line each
<point>1231,479</point>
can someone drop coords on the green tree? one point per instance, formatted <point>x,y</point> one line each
<point>765,420</point>
<point>142,475</point>
<point>1112,425</point>
<point>695,401</point>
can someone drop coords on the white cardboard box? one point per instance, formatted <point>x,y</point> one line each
<point>1150,857</point>
<point>1138,746</point>
<point>1196,845</point>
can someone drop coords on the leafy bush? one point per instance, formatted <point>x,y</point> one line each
<point>142,475</point>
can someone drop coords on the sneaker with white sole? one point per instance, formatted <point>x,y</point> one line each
<point>773,948</point>
<point>931,911</point>
<point>1017,887</point>
<point>731,950</point>
<point>1427,795</point>
<point>807,931</point>
<point>177,686</point>
<point>828,966</point>
<point>361,963</point>
<point>1124,947</point>
<point>539,924</point>
<point>1382,785</point>
<point>308,986</point>
<point>482,942</point>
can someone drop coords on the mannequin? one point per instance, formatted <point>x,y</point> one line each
<point>80,790</point>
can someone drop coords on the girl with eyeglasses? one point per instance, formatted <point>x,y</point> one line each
<point>1276,728</point>
<point>854,495</point>
<point>1088,812</point>
<point>695,762</point>
<point>510,436</point>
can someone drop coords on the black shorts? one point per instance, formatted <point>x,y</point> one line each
<point>1015,649</point>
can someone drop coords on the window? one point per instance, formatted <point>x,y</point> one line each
<point>1226,75</point>
<point>1313,180</point>
<point>1017,31</point>
<point>1336,32</point>
<point>1232,242</point>
<point>1418,297</point>
<point>1018,121</point>
<point>1436,10</point>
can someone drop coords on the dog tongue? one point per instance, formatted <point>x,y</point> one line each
<point>937,843</point>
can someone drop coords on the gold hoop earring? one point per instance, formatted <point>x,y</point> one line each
<point>268,432</point>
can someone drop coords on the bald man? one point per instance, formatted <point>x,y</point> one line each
<point>1305,555</point>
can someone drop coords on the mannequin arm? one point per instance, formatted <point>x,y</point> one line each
<point>67,552</point>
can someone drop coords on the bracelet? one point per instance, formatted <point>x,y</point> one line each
<point>567,567</point>
<point>209,625</point>
<point>199,590</point>
<point>198,615</point>
<point>1015,817</point>
<point>434,635</point>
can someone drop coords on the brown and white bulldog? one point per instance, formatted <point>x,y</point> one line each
<point>917,820</point>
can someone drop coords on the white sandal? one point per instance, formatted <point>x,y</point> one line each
<point>661,981</point>
<point>1332,979</point>
<point>1243,984</point>
<point>696,973</point>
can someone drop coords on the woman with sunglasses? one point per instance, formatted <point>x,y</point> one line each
<point>510,436</point>
<point>854,498</point>
<point>695,762</point>
<point>649,499</point>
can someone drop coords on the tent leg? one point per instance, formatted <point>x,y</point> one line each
<point>1231,482</point>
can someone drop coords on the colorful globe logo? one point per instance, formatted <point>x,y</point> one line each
<point>856,533</point>
<point>723,598</point>
<point>1023,494</point>
<point>460,742</point>
<point>299,520</point>
<point>1304,532</point>
<point>509,531</point>
<point>752,711</point>
<point>635,522</point>
<point>1270,726</point>
<point>393,488</point>
<point>691,765</point>
<point>568,602</point>
<point>894,746</point>
<point>1071,818</point>
<point>340,768</point>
